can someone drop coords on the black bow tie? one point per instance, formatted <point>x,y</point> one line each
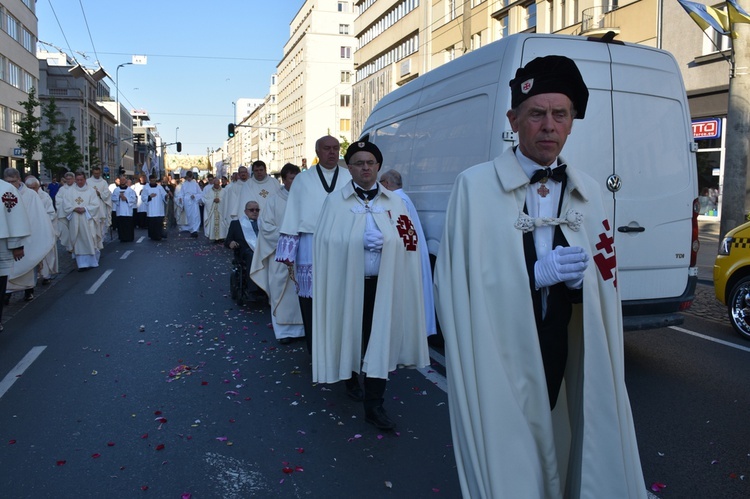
<point>366,195</point>
<point>557,174</point>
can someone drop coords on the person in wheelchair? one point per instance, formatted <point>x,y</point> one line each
<point>242,237</point>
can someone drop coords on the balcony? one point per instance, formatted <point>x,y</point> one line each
<point>597,21</point>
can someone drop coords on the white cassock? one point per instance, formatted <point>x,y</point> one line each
<point>239,193</point>
<point>272,276</point>
<point>105,198</point>
<point>157,205</point>
<point>427,286</point>
<point>303,208</point>
<point>189,199</point>
<point>83,239</point>
<point>62,221</point>
<point>215,226</point>
<point>398,337</point>
<point>37,245</point>
<point>179,212</point>
<point>50,262</point>
<point>124,208</point>
<point>137,188</point>
<point>507,441</point>
<point>14,225</point>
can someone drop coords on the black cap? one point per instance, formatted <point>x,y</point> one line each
<point>363,145</point>
<point>553,74</point>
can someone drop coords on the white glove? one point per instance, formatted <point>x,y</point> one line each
<point>562,265</point>
<point>373,240</point>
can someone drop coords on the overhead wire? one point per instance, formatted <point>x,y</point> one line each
<point>86,21</point>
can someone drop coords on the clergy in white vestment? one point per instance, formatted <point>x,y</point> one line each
<point>272,276</point>
<point>533,332</point>
<point>14,229</point>
<point>189,199</point>
<point>306,198</point>
<point>124,201</point>
<point>62,221</point>
<point>140,209</point>
<point>22,276</point>
<point>101,187</point>
<point>154,196</point>
<point>80,207</point>
<point>259,188</point>
<point>214,225</point>
<point>392,181</point>
<point>113,216</point>
<point>368,287</point>
<point>49,266</point>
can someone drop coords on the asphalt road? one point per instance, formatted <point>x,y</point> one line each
<point>204,402</point>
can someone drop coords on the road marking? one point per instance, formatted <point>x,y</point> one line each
<point>20,368</point>
<point>99,282</point>
<point>126,254</point>
<point>709,338</point>
<point>433,376</point>
<point>140,239</point>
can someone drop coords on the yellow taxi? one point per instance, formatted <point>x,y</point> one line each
<point>732,277</point>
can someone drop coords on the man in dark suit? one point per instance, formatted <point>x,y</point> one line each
<point>242,237</point>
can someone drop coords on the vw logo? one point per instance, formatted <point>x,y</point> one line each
<point>614,183</point>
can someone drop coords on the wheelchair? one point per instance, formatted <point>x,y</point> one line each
<point>238,281</point>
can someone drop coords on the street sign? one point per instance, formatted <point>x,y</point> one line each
<point>139,59</point>
<point>17,151</point>
<point>105,169</point>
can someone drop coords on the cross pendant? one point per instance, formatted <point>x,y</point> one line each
<point>542,191</point>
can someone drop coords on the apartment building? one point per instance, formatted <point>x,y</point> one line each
<point>315,78</point>
<point>19,73</point>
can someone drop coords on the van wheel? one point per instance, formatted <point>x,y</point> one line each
<point>739,307</point>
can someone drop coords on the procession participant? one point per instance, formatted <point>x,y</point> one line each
<point>258,187</point>
<point>124,201</point>
<point>80,207</point>
<point>154,197</point>
<point>62,221</point>
<point>180,218</point>
<point>391,180</point>
<point>214,225</point>
<point>188,198</point>
<point>367,287</point>
<point>113,214</point>
<point>22,276</point>
<point>272,276</point>
<point>49,266</point>
<point>52,189</point>
<point>311,188</point>
<point>533,334</point>
<point>100,186</point>
<point>242,237</point>
<point>140,209</point>
<point>14,229</point>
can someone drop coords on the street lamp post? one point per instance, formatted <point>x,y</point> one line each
<point>117,100</point>
<point>175,134</point>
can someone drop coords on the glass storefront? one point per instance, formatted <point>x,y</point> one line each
<point>710,160</point>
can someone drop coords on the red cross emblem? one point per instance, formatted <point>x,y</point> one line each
<point>605,258</point>
<point>407,232</point>
<point>526,86</point>
<point>9,200</point>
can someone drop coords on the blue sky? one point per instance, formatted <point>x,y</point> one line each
<point>202,55</point>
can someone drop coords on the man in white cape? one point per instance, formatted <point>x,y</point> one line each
<point>69,179</point>
<point>49,266</point>
<point>259,187</point>
<point>188,198</point>
<point>80,207</point>
<point>306,198</point>
<point>14,230</point>
<point>272,276</point>
<point>392,181</point>
<point>527,420</point>
<point>214,225</point>
<point>368,311</point>
<point>101,187</point>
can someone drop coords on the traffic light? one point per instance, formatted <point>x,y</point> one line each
<point>230,130</point>
<point>179,147</point>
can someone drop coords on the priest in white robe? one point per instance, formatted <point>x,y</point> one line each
<point>49,266</point>
<point>22,276</point>
<point>368,314</point>
<point>101,187</point>
<point>533,335</point>
<point>14,229</point>
<point>62,222</point>
<point>306,198</point>
<point>260,187</point>
<point>271,276</point>
<point>188,198</point>
<point>80,206</point>
<point>154,197</point>
<point>214,225</point>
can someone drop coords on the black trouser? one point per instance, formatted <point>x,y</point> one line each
<point>3,288</point>
<point>155,228</point>
<point>306,308</point>
<point>374,387</point>
<point>125,229</point>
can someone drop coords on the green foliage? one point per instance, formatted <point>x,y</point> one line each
<point>344,145</point>
<point>71,152</point>
<point>93,159</point>
<point>51,141</point>
<point>28,128</point>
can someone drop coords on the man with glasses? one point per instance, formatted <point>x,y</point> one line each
<point>242,237</point>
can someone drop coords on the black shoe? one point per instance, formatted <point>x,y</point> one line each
<point>194,234</point>
<point>354,391</point>
<point>285,341</point>
<point>45,281</point>
<point>379,419</point>
<point>28,297</point>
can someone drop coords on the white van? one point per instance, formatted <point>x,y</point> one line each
<point>636,139</point>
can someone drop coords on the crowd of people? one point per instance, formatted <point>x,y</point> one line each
<point>533,332</point>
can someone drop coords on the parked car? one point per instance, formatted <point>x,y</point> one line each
<point>732,277</point>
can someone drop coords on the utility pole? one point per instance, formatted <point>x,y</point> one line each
<point>735,201</point>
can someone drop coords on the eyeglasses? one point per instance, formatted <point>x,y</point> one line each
<point>360,164</point>
<point>252,209</point>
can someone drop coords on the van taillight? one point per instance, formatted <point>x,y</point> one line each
<point>695,243</point>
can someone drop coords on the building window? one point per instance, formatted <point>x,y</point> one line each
<point>15,117</point>
<point>476,41</point>
<point>345,125</point>
<point>346,77</point>
<point>346,52</point>
<point>345,100</point>
<point>343,29</point>
<point>28,82</point>
<point>14,75</point>
<point>451,14</point>
<point>28,41</point>
<point>530,15</point>
<point>11,26</point>
<point>502,27</point>
<point>3,119</point>
<point>2,68</point>
<point>474,3</point>
<point>343,7</point>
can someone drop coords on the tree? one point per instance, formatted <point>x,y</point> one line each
<point>28,128</point>
<point>51,141</point>
<point>71,152</point>
<point>93,159</point>
<point>343,145</point>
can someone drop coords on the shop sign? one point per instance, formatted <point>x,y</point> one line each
<point>707,128</point>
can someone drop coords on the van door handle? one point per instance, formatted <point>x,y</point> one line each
<point>626,228</point>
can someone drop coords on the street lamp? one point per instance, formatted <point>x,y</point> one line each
<point>117,100</point>
<point>175,134</point>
